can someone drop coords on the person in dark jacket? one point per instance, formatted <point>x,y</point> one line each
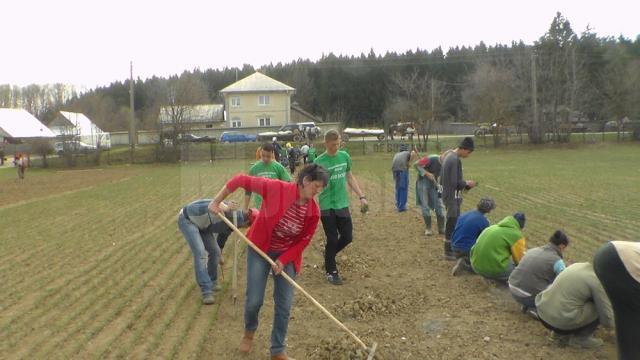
<point>199,226</point>
<point>453,183</point>
<point>617,265</point>
<point>537,270</point>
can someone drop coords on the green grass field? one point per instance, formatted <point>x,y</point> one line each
<point>92,263</point>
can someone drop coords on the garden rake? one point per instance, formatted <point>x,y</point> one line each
<point>370,350</point>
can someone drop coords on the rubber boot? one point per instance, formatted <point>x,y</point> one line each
<point>448,253</point>
<point>441,223</point>
<point>427,223</point>
<point>246,342</point>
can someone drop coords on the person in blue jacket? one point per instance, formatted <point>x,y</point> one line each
<point>466,232</point>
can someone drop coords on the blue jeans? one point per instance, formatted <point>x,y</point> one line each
<point>401,178</point>
<point>206,254</point>
<point>427,197</point>
<point>258,271</point>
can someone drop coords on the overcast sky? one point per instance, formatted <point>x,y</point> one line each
<point>89,43</point>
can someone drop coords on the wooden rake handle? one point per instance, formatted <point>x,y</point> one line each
<point>292,282</point>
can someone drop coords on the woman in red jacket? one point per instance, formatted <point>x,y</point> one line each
<point>283,229</point>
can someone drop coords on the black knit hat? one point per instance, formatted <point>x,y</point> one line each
<point>521,219</point>
<point>467,143</point>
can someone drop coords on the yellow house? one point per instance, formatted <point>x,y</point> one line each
<point>257,101</point>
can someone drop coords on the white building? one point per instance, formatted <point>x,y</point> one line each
<point>20,124</point>
<point>80,127</point>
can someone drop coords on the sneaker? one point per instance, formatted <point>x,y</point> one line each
<point>457,268</point>
<point>207,299</point>
<point>532,313</point>
<point>450,257</point>
<point>428,232</point>
<point>217,287</point>
<point>334,278</point>
<point>585,342</point>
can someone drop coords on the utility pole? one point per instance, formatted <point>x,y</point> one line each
<point>534,89</point>
<point>132,121</point>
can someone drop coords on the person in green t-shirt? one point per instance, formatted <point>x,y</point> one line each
<point>334,202</point>
<point>267,167</point>
<point>311,154</point>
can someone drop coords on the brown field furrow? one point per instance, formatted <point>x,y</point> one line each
<point>103,288</point>
<point>89,318</point>
<point>116,327</point>
<point>141,324</point>
<point>78,279</point>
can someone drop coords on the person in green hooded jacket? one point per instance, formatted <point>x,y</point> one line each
<point>499,248</point>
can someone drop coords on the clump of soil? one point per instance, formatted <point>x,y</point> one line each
<point>341,349</point>
<point>371,305</point>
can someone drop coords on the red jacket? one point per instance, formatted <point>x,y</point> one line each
<point>277,197</point>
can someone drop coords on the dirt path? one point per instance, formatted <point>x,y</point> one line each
<point>398,292</point>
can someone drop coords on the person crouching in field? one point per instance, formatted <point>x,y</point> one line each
<point>537,270</point>
<point>198,226</point>
<point>499,249</point>
<point>617,265</point>
<point>427,197</point>
<point>284,227</point>
<point>574,305</point>
<point>468,227</point>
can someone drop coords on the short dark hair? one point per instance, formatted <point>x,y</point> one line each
<point>331,135</point>
<point>313,172</point>
<point>268,147</point>
<point>559,238</point>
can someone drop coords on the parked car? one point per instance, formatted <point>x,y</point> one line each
<point>194,138</point>
<point>236,136</point>
<point>73,146</point>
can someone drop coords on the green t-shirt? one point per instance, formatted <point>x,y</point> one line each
<point>311,154</point>
<point>334,195</point>
<point>272,170</point>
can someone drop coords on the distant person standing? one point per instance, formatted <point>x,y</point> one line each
<point>453,183</point>
<point>400,170</point>
<point>22,165</point>
<point>304,150</point>
<point>617,265</point>
<point>277,149</point>
<point>427,197</point>
<point>334,202</point>
<point>267,167</point>
<point>312,153</point>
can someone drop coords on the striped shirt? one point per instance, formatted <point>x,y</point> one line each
<point>289,226</point>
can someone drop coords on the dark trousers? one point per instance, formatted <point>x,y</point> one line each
<point>586,330</point>
<point>451,225</point>
<point>624,293</point>
<point>338,228</point>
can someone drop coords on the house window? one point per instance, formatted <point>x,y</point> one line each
<point>264,121</point>
<point>263,100</point>
<point>235,101</point>
<point>236,123</point>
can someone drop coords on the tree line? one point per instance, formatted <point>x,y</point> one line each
<point>577,77</point>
